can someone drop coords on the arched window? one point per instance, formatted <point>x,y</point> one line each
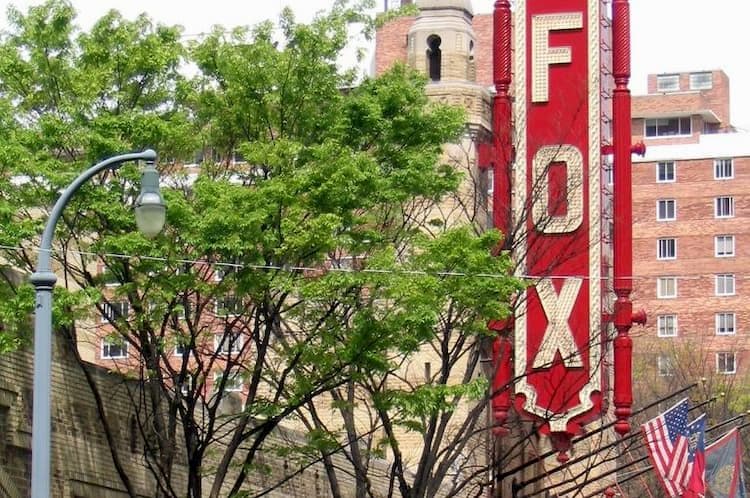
<point>471,51</point>
<point>433,57</point>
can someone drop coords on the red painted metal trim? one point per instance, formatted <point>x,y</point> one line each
<point>501,119</point>
<point>623,226</point>
<point>501,201</point>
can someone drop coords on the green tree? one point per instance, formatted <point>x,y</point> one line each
<point>299,174</point>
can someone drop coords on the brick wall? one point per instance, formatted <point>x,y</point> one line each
<point>696,265</point>
<point>390,43</point>
<point>81,461</point>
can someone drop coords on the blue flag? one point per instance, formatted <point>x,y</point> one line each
<point>724,474</point>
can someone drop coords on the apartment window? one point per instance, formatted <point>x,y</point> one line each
<point>726,363</point>
<point>186,385</point>
<point>667,326</point>
<point>228,306</point>
<point>109,278</point>
<point>665,366</point>
<point>221,271</point>
<point>724,246</point>
<point>666,210</point>
<point>701,81</point>
<point>668,127</point>
<point>668,82</point>
<point>725,284</point>
<point>238,157</point>
<point>666,249</point>
<point>725,323</point>
<point>723,169</point>
<point>666,287</point>
<point>180,349</point>
<point>724,207</point>
<point>665,172</point>
<point>114,348</point>
<point>228,342</point>
<point>114,310</point>
<point>233,379</point>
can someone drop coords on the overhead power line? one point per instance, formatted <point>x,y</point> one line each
<point>295,268</point>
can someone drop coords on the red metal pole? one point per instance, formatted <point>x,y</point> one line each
<point>501,207</point>
<point>501,352</point>
<point>623,214</point>
<point>501,123</point>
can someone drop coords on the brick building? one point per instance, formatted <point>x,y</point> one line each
<point>691,196</point>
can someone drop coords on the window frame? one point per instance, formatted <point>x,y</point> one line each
<point>229,387</point>
<point>720,167</point>
<point>694,85</point>
<point>222,310</point>
<point>666,203</point>
<point>108,343</point>
<point>180,350</point>
<point>681,131</point>
<point>672,78</point>
<point>726,330</point>
<point>725,355</point>
<point>220,272</point>
<point>725,277</point>
<point>111,306</point>
<point>719,206</point>
<point>665,366</point>
<point>660,288</point>
<point>186,386</point>
<point>725,237</point>
<point>663,324</point>
<point>220,345</point>
<point>666,178</point>
<point>666,256</point>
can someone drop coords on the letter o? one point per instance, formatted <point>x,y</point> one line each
<point>573,218</point>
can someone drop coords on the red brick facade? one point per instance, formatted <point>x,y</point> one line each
<point>698,331</point>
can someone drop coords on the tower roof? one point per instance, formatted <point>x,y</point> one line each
<point>464,5</point>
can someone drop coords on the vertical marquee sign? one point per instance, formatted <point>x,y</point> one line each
<point>559,342</point>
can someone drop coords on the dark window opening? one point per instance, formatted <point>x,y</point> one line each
<point>666,127</point>
<point>434,56</point>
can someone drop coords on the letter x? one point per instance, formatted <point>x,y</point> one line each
<point>558,336</point>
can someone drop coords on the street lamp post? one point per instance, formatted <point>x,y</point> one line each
<point>150,215</point>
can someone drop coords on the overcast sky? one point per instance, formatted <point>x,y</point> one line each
<point>667,35</point>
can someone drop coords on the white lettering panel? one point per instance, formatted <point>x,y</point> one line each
<point>558,336</point>
<point>543,55</point>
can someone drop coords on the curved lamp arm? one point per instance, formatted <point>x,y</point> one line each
<point>112,163</point>
<point>44,280</point>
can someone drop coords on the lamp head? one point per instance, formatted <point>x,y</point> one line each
<point>150,210</point>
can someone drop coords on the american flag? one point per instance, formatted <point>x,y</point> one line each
<point>668,440</point>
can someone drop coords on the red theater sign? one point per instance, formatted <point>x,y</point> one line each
<point>558,195</point>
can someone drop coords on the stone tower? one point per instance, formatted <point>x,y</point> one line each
<point>441,40</point>
<point>440,44</point>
